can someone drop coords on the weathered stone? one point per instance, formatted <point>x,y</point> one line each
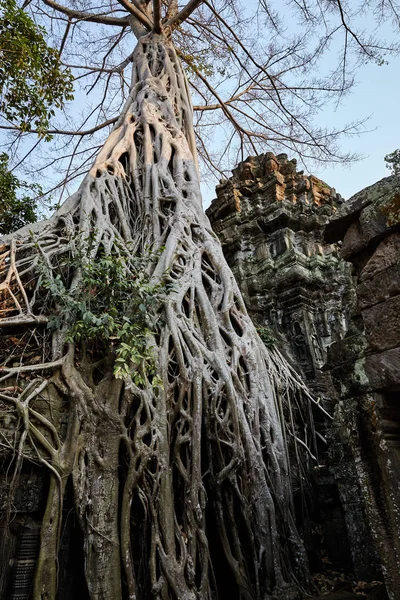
<point>383,285</point>
<point>386,255</point>
<point>353,241</point>
<point>292,281</point>
<point>383,370</point>
<point>385,197</point>
<point>379,288</point>
<point>366,364</point>
<point>382,325</point>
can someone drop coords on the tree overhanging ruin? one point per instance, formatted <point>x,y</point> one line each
<point>180,484</point>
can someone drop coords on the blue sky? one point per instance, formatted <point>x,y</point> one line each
<point>376,95</point>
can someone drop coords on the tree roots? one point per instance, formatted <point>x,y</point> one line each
<point>183,490</point>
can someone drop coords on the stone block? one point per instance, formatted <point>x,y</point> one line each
<point>379,288</point>
<point>382,325</point>
<point>386,255</point>
<point>383,369</point>
<point>352,242</point>
<point>380,197</point>
<point>373,222</point>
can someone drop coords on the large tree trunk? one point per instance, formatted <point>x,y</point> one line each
<point>183,491</point>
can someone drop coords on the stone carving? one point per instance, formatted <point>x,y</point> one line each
<point>270,219</point>
<point>19,529</point>
<point>23,566</point>
<point>19,547</point>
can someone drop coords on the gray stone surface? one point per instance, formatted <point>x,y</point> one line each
<point>366,363</point>
<point>379,287</point>
<point>385,201</point>
<point>271,221</point>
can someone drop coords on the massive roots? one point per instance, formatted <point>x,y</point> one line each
<point>183,490</point>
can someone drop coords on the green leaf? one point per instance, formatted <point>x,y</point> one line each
<point>18,204</point>
<point>32,79</point>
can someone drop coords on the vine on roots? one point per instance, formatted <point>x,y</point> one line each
<point>182,490</point>
<point>113,306</point>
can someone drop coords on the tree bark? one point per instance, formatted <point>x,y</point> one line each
<point>193,477</point>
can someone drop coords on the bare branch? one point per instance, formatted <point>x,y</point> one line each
<point>64,132</point>
<point>91,18</point>
<point>135,10</point>
<point>183,14</point>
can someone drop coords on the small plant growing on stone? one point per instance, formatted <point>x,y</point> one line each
<point>267,336</point>
<point>392,161</point>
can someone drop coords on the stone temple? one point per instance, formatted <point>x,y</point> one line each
<point>321,280</point>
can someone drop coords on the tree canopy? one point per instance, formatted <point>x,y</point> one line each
<point>259,74</point>
<point>392,161</point>
<point>18,204</point>
<point>32,81</point>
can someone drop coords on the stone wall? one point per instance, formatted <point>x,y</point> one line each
<point>298,288</point>
<point>366,364</point>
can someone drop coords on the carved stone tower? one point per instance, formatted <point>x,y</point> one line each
<point>270,220</point>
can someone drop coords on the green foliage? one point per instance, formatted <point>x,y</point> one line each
<point>392,161</point>
<point>198,62</point>
<point>267,336</point>
<point>32,81</point>
<point>391,206</point>
<point>114,304</point>
<point>16,210</point>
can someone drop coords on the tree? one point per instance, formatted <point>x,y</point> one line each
<point>15,210</point>
<point>392,161</point>
<point>32,81</point>
<point>179,461</point>
<point>258,79</point>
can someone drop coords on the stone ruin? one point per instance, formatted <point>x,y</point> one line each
<point>321,279</point>
<point>270,219</point>
<point>365,363</point>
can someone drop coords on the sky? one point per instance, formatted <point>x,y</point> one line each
<point>376,95</point>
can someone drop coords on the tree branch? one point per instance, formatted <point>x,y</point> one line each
<point>84,16</point>
<point>172,9</point>
<point>135,10</point>
<point>183,14</point>
<point>157,15</point>
<point>63,132</point>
